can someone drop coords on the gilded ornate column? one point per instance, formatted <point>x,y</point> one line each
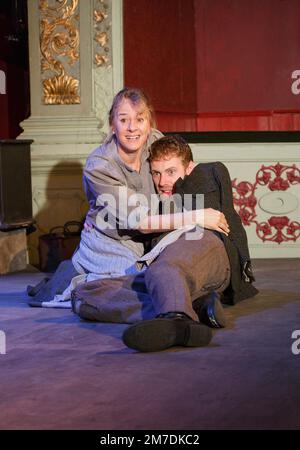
<point>76,67</point>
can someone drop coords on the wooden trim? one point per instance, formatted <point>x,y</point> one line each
<point>239,136</point>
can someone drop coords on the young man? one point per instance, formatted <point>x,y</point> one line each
<point>174,171</point>
<point>184,277</point>
<point>185,270</point>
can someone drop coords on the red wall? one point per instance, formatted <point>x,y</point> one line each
<point>160,52</point>
<point>15,103</point>
<point>216,65</point>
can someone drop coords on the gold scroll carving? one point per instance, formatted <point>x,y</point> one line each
<point>59,44</point>
<point>102,31</point>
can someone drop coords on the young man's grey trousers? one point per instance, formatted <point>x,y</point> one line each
<point>184,271</point>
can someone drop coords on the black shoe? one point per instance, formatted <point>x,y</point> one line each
<point>164,332</point>
<point>210,311</point>
<point>59,281</point>
<point>33,290</point>
<point>84,310</point>
<point>75,304</point>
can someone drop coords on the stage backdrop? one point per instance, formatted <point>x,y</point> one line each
<point>216,65</point>
<point>14,75</point>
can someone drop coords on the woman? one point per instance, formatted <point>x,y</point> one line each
<point>113,173</point>
<point>117,178</point>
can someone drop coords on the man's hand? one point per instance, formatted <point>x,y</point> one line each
<point>208,218</point>
<point>215,220</point>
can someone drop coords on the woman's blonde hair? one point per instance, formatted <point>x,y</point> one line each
<point>136,96</point>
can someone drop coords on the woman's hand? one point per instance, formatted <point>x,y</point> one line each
<point>214,220</point>
<point>88,225</point>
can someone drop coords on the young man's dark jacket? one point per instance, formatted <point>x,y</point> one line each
<point>213,180</point>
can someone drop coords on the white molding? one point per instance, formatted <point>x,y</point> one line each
<point>61,130</point>
<point>58,166</point>
<point>260,252</point>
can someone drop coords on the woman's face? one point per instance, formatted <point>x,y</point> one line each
<point>131,125</point>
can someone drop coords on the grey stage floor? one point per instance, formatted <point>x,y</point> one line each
<point>59,372</point>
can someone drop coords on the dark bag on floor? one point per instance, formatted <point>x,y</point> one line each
<point>58,245</point>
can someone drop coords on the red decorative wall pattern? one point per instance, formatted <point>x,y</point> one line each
<point>276,178</point>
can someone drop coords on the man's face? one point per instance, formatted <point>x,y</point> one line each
<point>165,172</point>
